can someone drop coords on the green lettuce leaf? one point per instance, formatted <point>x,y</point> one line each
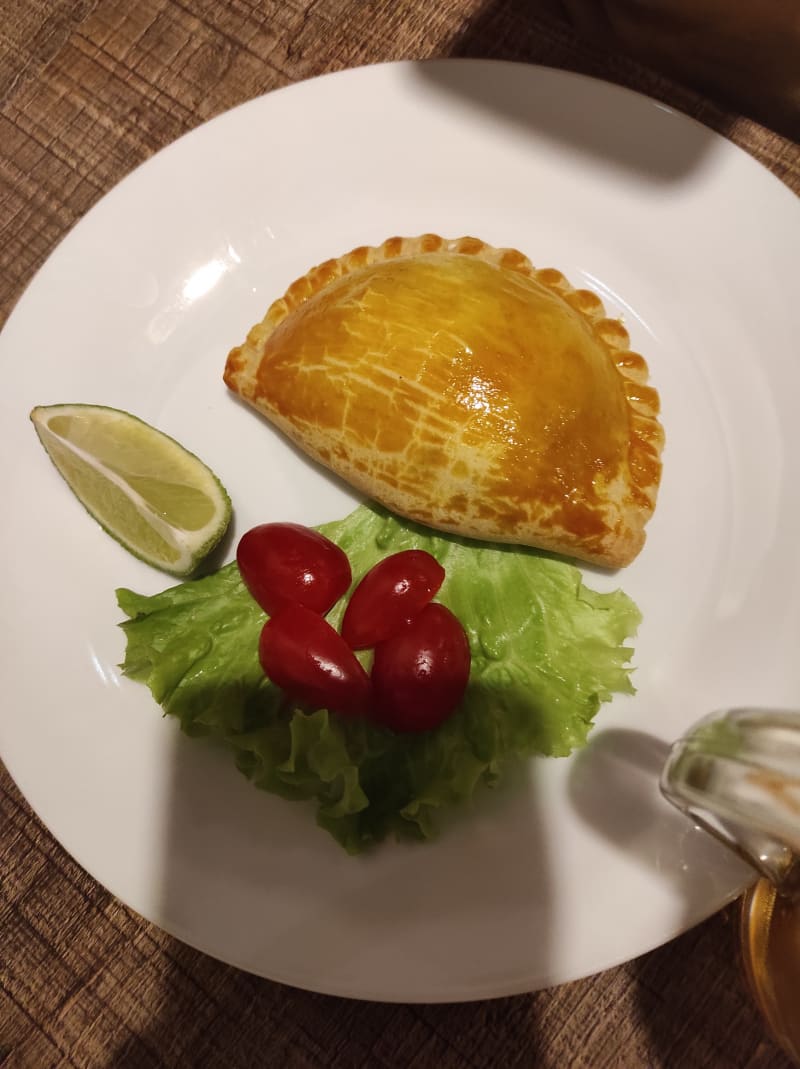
<point>546,652</point>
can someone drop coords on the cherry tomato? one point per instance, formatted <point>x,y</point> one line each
<point>285,563</point>
<point>389,595</point>
<point>302,654</point>
<point>419,675</point>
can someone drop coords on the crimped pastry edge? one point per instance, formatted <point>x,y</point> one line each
<point>647,434</point>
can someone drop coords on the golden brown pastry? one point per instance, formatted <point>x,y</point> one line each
<point>467,390</point>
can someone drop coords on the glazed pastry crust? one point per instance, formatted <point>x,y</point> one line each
<point>465,389</point>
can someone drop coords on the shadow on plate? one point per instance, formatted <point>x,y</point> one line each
<point>251,878</point>
<point>614,788</point>
<point>598,121</point>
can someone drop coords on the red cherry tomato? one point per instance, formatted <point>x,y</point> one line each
<point>389,595</point>
<point>285,563</point>
<point>420,674</point>
<point>303,655</point>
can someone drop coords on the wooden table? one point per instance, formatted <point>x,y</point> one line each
<point>89,89</point>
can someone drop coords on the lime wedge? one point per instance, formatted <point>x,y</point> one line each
<point>156,498</point>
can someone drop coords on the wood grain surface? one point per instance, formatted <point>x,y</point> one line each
<point>88,90</point>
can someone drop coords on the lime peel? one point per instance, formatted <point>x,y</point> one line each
<point>157,499</point>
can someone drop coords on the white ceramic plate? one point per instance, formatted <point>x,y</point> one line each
<point>579,865</point>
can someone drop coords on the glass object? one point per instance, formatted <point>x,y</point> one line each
<point>737,774</point>
<point>770,942</point>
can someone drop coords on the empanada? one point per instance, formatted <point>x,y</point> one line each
<point>465,389</point>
